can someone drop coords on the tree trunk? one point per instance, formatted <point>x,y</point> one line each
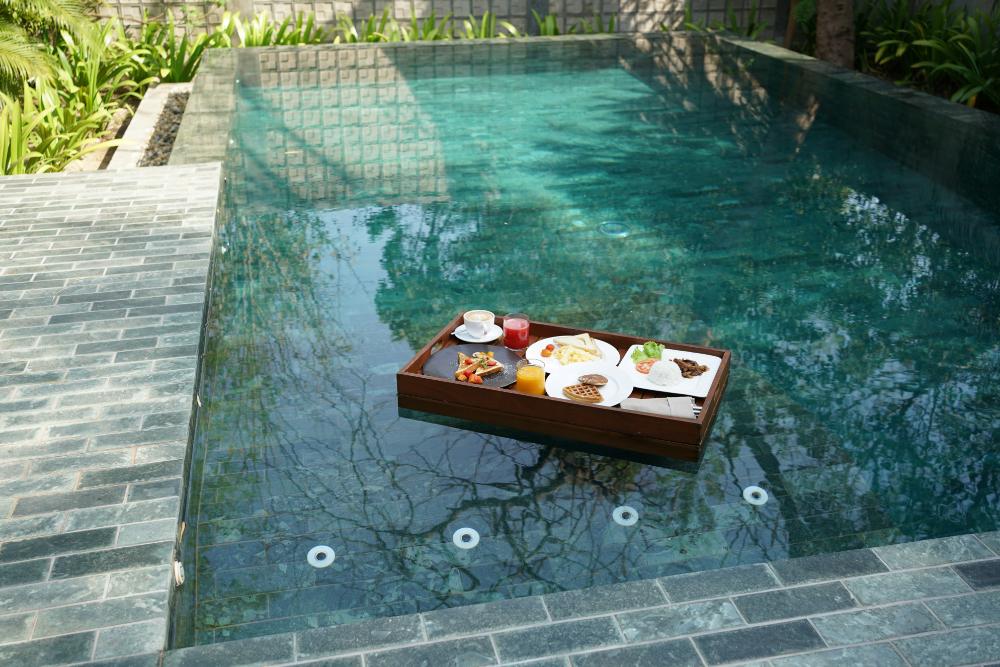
<point>835,32</point>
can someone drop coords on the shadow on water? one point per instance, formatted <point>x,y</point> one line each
<point>864,340</point>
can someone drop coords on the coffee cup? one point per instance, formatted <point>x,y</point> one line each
<point>478,322</point>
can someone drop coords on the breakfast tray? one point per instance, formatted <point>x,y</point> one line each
<point>617,428</point>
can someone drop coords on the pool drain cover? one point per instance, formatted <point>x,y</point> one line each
<point>755,495</point>
<point>321,556</point>
<point>616,230</point>
<point>625,516</point>
<point>465,538</point>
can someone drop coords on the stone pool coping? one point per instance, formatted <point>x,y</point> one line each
<point>102,298</point>
<point>932,603</point>
<point>84,562</point>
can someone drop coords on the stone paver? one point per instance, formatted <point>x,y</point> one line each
<point>822,623</point>
<point>90,268</point>
<point>933,552</point>
<point>868,625</point>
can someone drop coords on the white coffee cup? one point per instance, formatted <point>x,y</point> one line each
<point>478,322</point>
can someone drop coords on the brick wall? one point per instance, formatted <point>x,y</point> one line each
<point>633,15</point>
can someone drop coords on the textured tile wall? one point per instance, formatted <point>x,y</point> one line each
<point>632,15</point>
<point>102,291</point>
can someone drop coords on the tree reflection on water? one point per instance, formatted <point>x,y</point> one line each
<point>864,346</point>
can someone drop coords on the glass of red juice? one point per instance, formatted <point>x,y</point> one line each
<point>515,331</point>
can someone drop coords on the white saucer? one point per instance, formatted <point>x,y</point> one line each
<point>492,334</point>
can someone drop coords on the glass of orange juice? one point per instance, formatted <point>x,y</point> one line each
<point>530,377</point>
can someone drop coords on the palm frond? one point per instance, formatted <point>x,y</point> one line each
<point>20,59</point>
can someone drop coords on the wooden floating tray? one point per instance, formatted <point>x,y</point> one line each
<point>615,427</point>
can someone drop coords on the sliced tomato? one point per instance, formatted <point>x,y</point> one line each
<point>645,365</point>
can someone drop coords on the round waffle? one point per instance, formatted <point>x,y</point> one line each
<point>583,393</point>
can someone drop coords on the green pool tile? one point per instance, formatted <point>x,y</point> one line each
<point>869,625</point>
<point>108,560</point>
<point>882,655</point>
<point>484,618</point>
<point>53,651</point>
<point>964,610</point>
<point>145,580</point>
<point>24,572</point>
<point>982,575</point>
<point>125,640</point>
<point>53,545</point>
<point>350,661</point>
<point>366,635</point>
<point>148,660</point>
<point>933,552</point>
<point>718,583</point>
<point>899,586</point>
<point>958,647</point>
<point>758,642</point>
<point>680,653</point>
<point>472,652</point>
<point>597,600</point>
<point>261,650</point>
<point>566,637</point>
<point>788,603</point>
<point>677,620</point>
<point>16,627</point>
<point>51,593</point>
<point>992,540</point>
<point>95,615</point>
<point>828,566</point>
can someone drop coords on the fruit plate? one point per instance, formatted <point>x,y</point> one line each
<point>617,389</point>
<point>696,386</point>
<point>444,363</point>
<point>609,355</point>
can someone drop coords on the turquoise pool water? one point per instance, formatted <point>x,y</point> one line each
<point>684,202</point>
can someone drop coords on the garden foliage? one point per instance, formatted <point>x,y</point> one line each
<point>63,78</point>
<point>949,51</point>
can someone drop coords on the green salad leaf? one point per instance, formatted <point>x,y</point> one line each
<point>649,350</point>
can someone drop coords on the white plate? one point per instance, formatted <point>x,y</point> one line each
<point>494,332</point>
<point>617,389</point>
<point>609,354</point>
<point>696,386</point>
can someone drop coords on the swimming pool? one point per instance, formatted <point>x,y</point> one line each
<point>671,186</point>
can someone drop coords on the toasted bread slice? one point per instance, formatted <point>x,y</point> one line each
<point>480,362</point>
<point>583,393</point>
<point>484,371</point>
<point>580,341</point>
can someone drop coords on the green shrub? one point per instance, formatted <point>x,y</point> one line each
<point>37,135</point>
<point>486,28</point>
<point>548,26</point>
<point>936,47</point>
<point>750,26</point>
<point>594,26</point>
<point>26,26</point>
<point>262,30</point>
<point>167,58</point>
<point>372,29</point>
